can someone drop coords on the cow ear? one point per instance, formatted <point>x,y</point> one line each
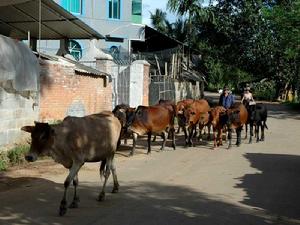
<point>28,129</point>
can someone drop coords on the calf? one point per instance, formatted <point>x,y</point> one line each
<point>192,115</point>
<point>258,118</point>
<point>235,118</point>
<point>216,118</point>
<point>150,120</point>
<point>75,141</point>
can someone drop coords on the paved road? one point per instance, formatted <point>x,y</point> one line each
<point>252,184</point>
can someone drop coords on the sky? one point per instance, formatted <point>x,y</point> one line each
<point>151,5</point>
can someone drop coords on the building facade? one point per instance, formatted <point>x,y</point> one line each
<point>120,21</point>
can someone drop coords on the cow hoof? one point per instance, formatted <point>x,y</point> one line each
<point>130,154</point>
<point>74,205</point>
<point>115,190</point>
<point>148,153</point>
<point>101,197</point>
<point>62,210</point>
<point>257,141</point>
<point>229,147</point>
<point>174,147</point>
<point>262,139</point>
<point>238,144</point>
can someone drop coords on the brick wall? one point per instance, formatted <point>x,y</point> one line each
<point>65,93</point>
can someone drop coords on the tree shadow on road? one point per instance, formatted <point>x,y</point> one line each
<point>137,203</point>
<point>277,187</point>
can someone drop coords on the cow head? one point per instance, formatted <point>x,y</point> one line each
<point>190,115</point>
<point>233,117</point>
<point>42,138</point>
<point>135,119</point>
<point>204,118</point>
<point>217,115</point>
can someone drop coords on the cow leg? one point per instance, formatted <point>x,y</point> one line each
<point>185,136</point>
<point>178,130</point>
<point>257,132</point>
<point>134,139</point>
<point>246,130</point>
<point>75,202</point>
<point>208,130</point>
<point>101,196</point>
<point>72,173</point>
<point>154,138</point>
<point>173,138</point>
<point>219,137</point>
<point>251,133</point>
<point>164,136</point>
<point>149,143</point>
<point>125,141</point>
<point>229,137</point>
<point>215,137</point>
<point>201,126</point>
<point>115,178</point>
<point>262,131</point>
<point>238,136</point>
<point>190,141</point>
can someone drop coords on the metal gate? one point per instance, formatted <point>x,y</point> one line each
<point>161,87</point>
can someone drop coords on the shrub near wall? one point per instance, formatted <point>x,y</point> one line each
<point>265,91</point>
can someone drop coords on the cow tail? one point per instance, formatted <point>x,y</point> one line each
<point>102,168</point>
<point>265,124</point>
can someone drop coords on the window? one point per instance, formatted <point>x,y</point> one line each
<point>73,6</point>
<point>114,51</point>
<point>136,11</point>
<point>75,49</point>
<point>114,9</point>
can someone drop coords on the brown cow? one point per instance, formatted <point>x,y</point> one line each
<point>75,141</point>
<point>180,107</point>
<point>235,118</point>
<point>192,115</point>
<point>216,115</point>
<point>150,120</point>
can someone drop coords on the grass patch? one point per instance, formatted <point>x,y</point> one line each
<point>3,161</point>
<point>12,157</point>
<point>17,154</point>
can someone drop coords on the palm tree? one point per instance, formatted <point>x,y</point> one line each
<point>158,20</point>
<point>186,7</point>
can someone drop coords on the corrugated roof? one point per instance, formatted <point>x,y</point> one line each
<point>78,67</point>
<point>17,17</point>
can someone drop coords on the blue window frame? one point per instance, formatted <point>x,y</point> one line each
<point>75,49</point>
<point>73,6</point>
<point>114,9</point>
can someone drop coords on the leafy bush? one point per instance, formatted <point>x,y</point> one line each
<point>16,155</point>
<point>264,90</point>
<point>3,161</point>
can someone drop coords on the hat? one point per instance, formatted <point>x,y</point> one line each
<point>226,88</point>
<point>247,88</point>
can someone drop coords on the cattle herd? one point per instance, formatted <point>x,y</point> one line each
<point>95,138</point>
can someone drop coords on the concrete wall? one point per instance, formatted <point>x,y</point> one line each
<point>185,89</point>
<point>65,93</point>
<point>15,111</point>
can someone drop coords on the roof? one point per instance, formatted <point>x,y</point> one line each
<point>154,41</point>
<point>78,67</point>
<point>17,17</point>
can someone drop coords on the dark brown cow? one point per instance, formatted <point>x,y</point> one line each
<point>150,120</point>
<point>122,112</point>
<point>75,141</point>
<point>236,117</point>
<point>215,117</point>
<point>192,115</point>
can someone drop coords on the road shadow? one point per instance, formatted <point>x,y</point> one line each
<point>276,187</point>
<point>137,203</point>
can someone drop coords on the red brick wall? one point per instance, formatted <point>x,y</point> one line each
<point>146,85</point>
<point>60,87</point>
